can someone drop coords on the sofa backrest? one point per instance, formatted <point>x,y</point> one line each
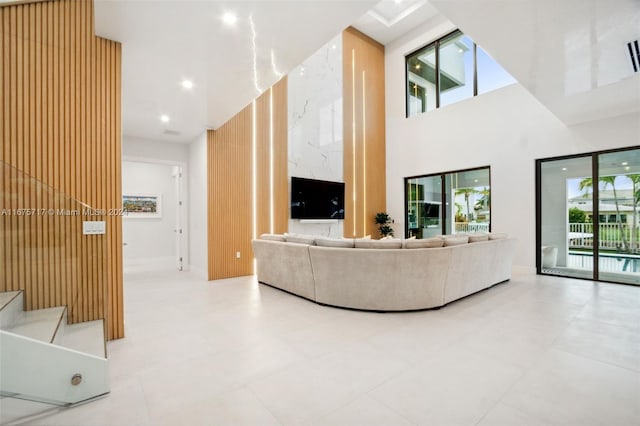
<point>286,265</point>
<point>380,279</point>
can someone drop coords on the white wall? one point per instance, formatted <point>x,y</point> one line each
<point>315,145</point>
<point>198,205</point>
<point>506,129</point>
<point>136,148</point>
<point>149,240</point>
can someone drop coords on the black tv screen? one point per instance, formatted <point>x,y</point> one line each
<point>316,199</point>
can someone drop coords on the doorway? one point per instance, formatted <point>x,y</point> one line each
<point>153,236</point>
<point>588,216</point>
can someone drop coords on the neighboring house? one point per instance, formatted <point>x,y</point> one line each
<point>607,206</point>
<point>607,211</point>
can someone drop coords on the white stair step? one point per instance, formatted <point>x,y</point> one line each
<point>50,325</point>
<point>87,337</point>
<point>7,297</point>
<point>40,324</point>
<point>11,306</point>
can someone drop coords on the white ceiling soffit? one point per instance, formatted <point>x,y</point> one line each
<point>571,54</point>
<point>390,19</point>
<point>166,41</point>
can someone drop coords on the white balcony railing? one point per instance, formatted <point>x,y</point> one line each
<point>581,235</point>
<point>471,227</point>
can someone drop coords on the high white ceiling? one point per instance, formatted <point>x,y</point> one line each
<point>571,54</point>
<point>166,41</point>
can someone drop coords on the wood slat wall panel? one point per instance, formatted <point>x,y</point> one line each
<point>60,123</point>
<point>280,157</point>
<point>231,199</point>
<point>364,146</point>
<point>230,192</point>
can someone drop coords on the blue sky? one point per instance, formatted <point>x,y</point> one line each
<point>622,182</point>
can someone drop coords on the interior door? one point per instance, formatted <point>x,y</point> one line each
<point>177,175</point>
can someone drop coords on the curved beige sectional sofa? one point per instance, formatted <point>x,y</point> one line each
<point>383,279</point>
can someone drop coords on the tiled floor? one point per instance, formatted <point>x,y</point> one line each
<point>535,351</point>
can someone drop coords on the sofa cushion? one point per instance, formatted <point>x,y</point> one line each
<point>425,243</point>
<point>498,235</point>
<point>335,242</point>
<point>455,240</point>
<point>477,237</point>
<point>300,239</point>
<point>273,237</point>
<point>395,243</point>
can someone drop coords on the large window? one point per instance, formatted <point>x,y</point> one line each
<point>588,216</point>
<point>448,203</point>
<point>449,70</point>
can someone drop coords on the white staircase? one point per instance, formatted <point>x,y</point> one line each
<point>44,359</point>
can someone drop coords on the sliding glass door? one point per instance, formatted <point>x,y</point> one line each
<point>424,206</point>
<point>448,203</point>
<point>566,246</point>
<point>588,216</point>
<point>468,193</point>
<point>618,199</point>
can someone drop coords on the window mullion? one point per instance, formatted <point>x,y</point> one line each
<point>475,69</point>
<point>437,74</point>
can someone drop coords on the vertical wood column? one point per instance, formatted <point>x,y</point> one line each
<point>280,157</point>
<point>247,182</point>
<point>230,192</point>
<point>60,125</point>
<point>364,132</point>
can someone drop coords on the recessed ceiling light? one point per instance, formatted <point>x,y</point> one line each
<point>627,168</point>
<point>564,169</point>
<point>475,180</point>
<point>333,46</point>
<point>625,164</point>
<point>229,18</point>
<point>187,84</point>
<point>397,1</point>
<point>164,118</point>
<point>417,66</point>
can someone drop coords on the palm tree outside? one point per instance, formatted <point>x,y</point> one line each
<point>635,193</point>
<point>587,183</point>
<point>467,193</point>
<point>611,180</point>
<point>584,185</point>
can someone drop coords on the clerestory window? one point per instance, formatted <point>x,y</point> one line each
<point>449,70</point>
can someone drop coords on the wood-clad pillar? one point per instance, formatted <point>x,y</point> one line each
<point>364,132</point>
<point>247,182</point>
<point>60,125</point>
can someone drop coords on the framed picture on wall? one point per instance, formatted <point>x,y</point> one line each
<point>143,206</point>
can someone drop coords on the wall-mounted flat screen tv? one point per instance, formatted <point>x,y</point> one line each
<point>316,199</point>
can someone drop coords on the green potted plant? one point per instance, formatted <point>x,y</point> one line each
<point>383,220</point>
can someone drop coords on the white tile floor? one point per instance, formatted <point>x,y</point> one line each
<point>535,351</point>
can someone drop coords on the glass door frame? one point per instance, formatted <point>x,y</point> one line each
<point>595,176</point>
<point>443,195</point>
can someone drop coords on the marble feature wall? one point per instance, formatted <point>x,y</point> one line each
<point>315,146</point>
